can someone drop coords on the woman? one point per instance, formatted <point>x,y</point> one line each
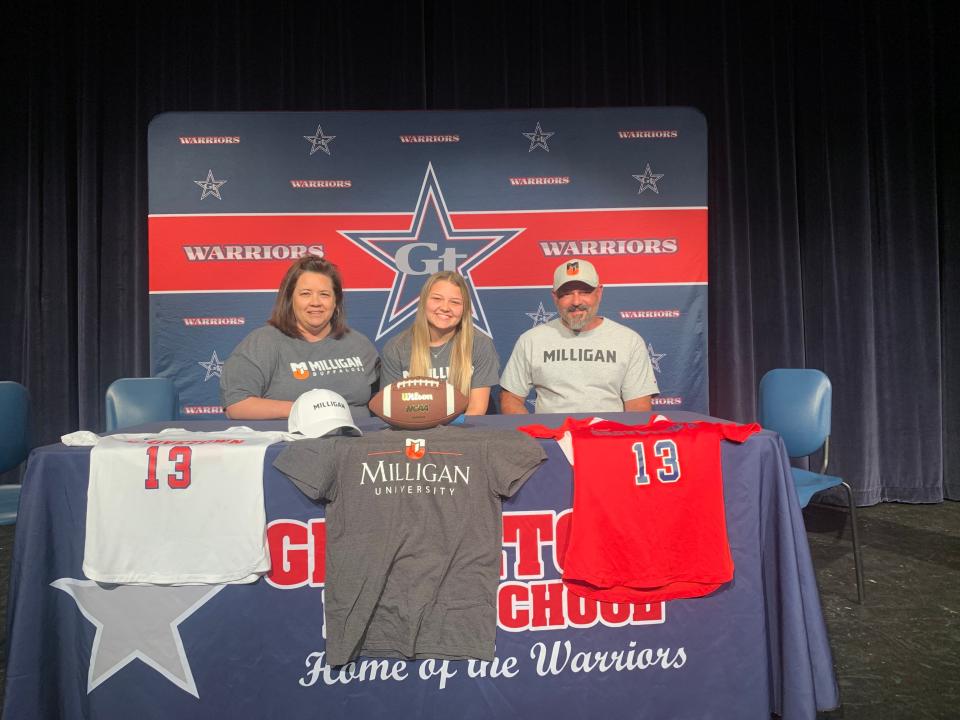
<point>306,345</point>
<point>441,343</point>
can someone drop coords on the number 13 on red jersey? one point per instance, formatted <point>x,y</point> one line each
<point>666,451</point>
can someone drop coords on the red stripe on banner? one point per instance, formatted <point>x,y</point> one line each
<point>626,246</point>
<point>252,252</point>
<point>197,253</point>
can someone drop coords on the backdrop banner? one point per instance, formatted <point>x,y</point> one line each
<point>502,197</point>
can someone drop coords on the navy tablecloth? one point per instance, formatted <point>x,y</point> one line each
<point>756,646</point>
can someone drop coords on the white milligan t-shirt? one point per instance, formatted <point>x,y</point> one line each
<point>177,508</point>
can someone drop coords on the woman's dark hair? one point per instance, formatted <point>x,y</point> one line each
<point>283,318</point>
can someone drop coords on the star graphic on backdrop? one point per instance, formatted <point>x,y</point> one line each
<point>138,622</point>
<point>431,243</point>
<point>648,180</point>
<point>319,141</point>
<point>541,316</point>
<point>655,357</point>
<point>538,138</point>
<point>210,186</point>
<point>213,366</point>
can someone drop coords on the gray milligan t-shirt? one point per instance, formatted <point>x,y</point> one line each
<point>413,536</point>
<point>396,361</point>
<point>269,364</point>
<point>590,371</point>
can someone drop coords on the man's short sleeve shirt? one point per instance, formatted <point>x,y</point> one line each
<point>591,371</point>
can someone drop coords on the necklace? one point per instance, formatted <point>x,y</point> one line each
<point>436,353</point>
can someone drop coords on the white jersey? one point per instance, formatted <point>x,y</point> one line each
<point>177,507</point>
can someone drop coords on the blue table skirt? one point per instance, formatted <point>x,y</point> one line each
<point>756,646</point>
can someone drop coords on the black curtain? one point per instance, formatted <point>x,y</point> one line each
<point>833,175</point>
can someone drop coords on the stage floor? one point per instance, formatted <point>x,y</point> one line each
<point>896,655</point>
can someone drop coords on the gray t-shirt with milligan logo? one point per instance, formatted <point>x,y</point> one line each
<point>396,361</point>
<point>590,371</point>
<point>414,533</point>
<point>269,364</point>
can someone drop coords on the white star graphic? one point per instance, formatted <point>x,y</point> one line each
<point>655,357</point>
<point>138,622</point>
<point>210,186</point>
<point>319,141</point>
<point>541,316</point>
<point>213,366</point>
<point>648,180</point>
<point>538,139</point>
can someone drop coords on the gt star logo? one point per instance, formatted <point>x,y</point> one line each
<point>431,243</point>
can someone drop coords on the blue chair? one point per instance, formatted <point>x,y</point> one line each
<point>135,401</point>
<point>796,404</point>
<point>14,443</point>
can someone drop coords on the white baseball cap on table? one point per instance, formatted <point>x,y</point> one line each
<point>575,270</point>
<point>319,412</point>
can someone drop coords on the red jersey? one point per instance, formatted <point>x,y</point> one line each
<point>648,519</point>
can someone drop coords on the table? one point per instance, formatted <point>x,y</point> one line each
<point>758,645</point>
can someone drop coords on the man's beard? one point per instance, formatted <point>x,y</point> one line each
<point>577,324</point>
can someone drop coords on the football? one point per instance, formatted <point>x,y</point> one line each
<point>417,403</point>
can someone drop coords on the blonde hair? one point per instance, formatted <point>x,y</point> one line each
<point>461,352</point>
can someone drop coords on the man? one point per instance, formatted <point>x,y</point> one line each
<point>580,362</point>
